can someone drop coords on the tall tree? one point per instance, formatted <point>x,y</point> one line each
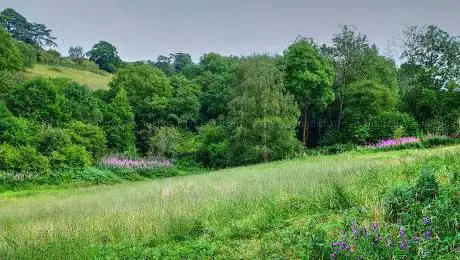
<point>309,77</point>
<point>261,119</point>
<point>216,78</point>
<point>76,54</point>
<point>22,30</point>
<point>105,55</point>
<point>149,93</point>
<point>119,124</point>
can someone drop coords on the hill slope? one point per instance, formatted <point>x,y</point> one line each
<point>93,80</point>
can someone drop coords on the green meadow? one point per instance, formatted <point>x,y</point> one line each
<point>283,210</point>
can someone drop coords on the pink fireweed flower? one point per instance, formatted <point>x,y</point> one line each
<point>135,164</point>
<point>395,142</point>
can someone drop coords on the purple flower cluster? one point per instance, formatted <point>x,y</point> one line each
<point>395,142</point>
<point>135,164</point>
<point>374,236</point>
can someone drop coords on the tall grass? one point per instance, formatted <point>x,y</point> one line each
<point>149,218</point>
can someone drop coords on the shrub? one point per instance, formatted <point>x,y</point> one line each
<point>53,139</point>
<point>39,100</point>
<point>72,156</point>
<point>165,142</point>
<point>392,125</point>
<point>18,131</point>
<point>8,81</point>
<point>90,137</point>
<point>24,159</point>
<point>212,145</point>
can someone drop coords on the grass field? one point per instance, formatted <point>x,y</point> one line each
<point>93,80</point>
<point>263,211</point>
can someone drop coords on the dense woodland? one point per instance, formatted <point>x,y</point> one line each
<point>224,110</point>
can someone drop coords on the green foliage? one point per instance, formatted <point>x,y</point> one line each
<point>149,93</point>
<point>18,131</point>
<point>11,58</point>
<point>119,124</point>
<point>105,55</point>
<point>53,139</point>
<point>29,53</point>
<point>8,81</point>
<point>396,202</point>
<point>80,103</point>
<point>90,137</point>
<point>216,80</point>
<point>49,56</point>
<point>185,101</point>
<point>39,100</point>
<point>22,30</point>
<point>71,156</point>
<point>389,125</point>
<point>24,159</point>
<point>213,145</point>
<point>309,77</point>
<point>261,119</point>
<point>164,143</point>
<point>76,54</point>
<point>427,187</point>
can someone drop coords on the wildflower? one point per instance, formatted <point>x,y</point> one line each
<point>334,255</point>
<point>428,233</point>
<point>375,227</point>
<point>403,245</point>
<point>402,233</point>
<point>426,221</point>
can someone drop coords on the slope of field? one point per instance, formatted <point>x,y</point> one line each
<point>93,80</point>
<point>262,211</point>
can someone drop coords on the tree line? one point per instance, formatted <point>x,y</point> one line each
<point>223,110</point>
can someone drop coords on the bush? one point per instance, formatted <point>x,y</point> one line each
<point>389,124</point>
<point>212,145</point>
<point>90,137</point>
<point>8,81</point>
<point>29,53</point>
<point>53,139</point>
<point>24,159</point>
<point>18,131</point>
<point>39,100</point>
<point>164,142</point>
<point>72,156</point>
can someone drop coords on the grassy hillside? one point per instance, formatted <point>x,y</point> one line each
<point>93,80</point>
<point>275,210</point>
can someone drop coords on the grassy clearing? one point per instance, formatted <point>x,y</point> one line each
<point>251,212</point>
<point>93,80</point>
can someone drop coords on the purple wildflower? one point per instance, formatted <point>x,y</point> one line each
<point>334,255</point>
<point>402,233</point>
<point>375,227</point>
<point>395,142</point>
<point>428,233</point>
<point>426,221</point>
<point>403,245</point>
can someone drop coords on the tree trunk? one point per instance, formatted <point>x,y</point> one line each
<point>305,126</point>
<point>339,119</point>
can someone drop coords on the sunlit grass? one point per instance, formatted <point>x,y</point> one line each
<point>227,203</point>
<point>93,80</point>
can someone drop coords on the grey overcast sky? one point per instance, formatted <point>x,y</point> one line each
<point>144,29</point>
